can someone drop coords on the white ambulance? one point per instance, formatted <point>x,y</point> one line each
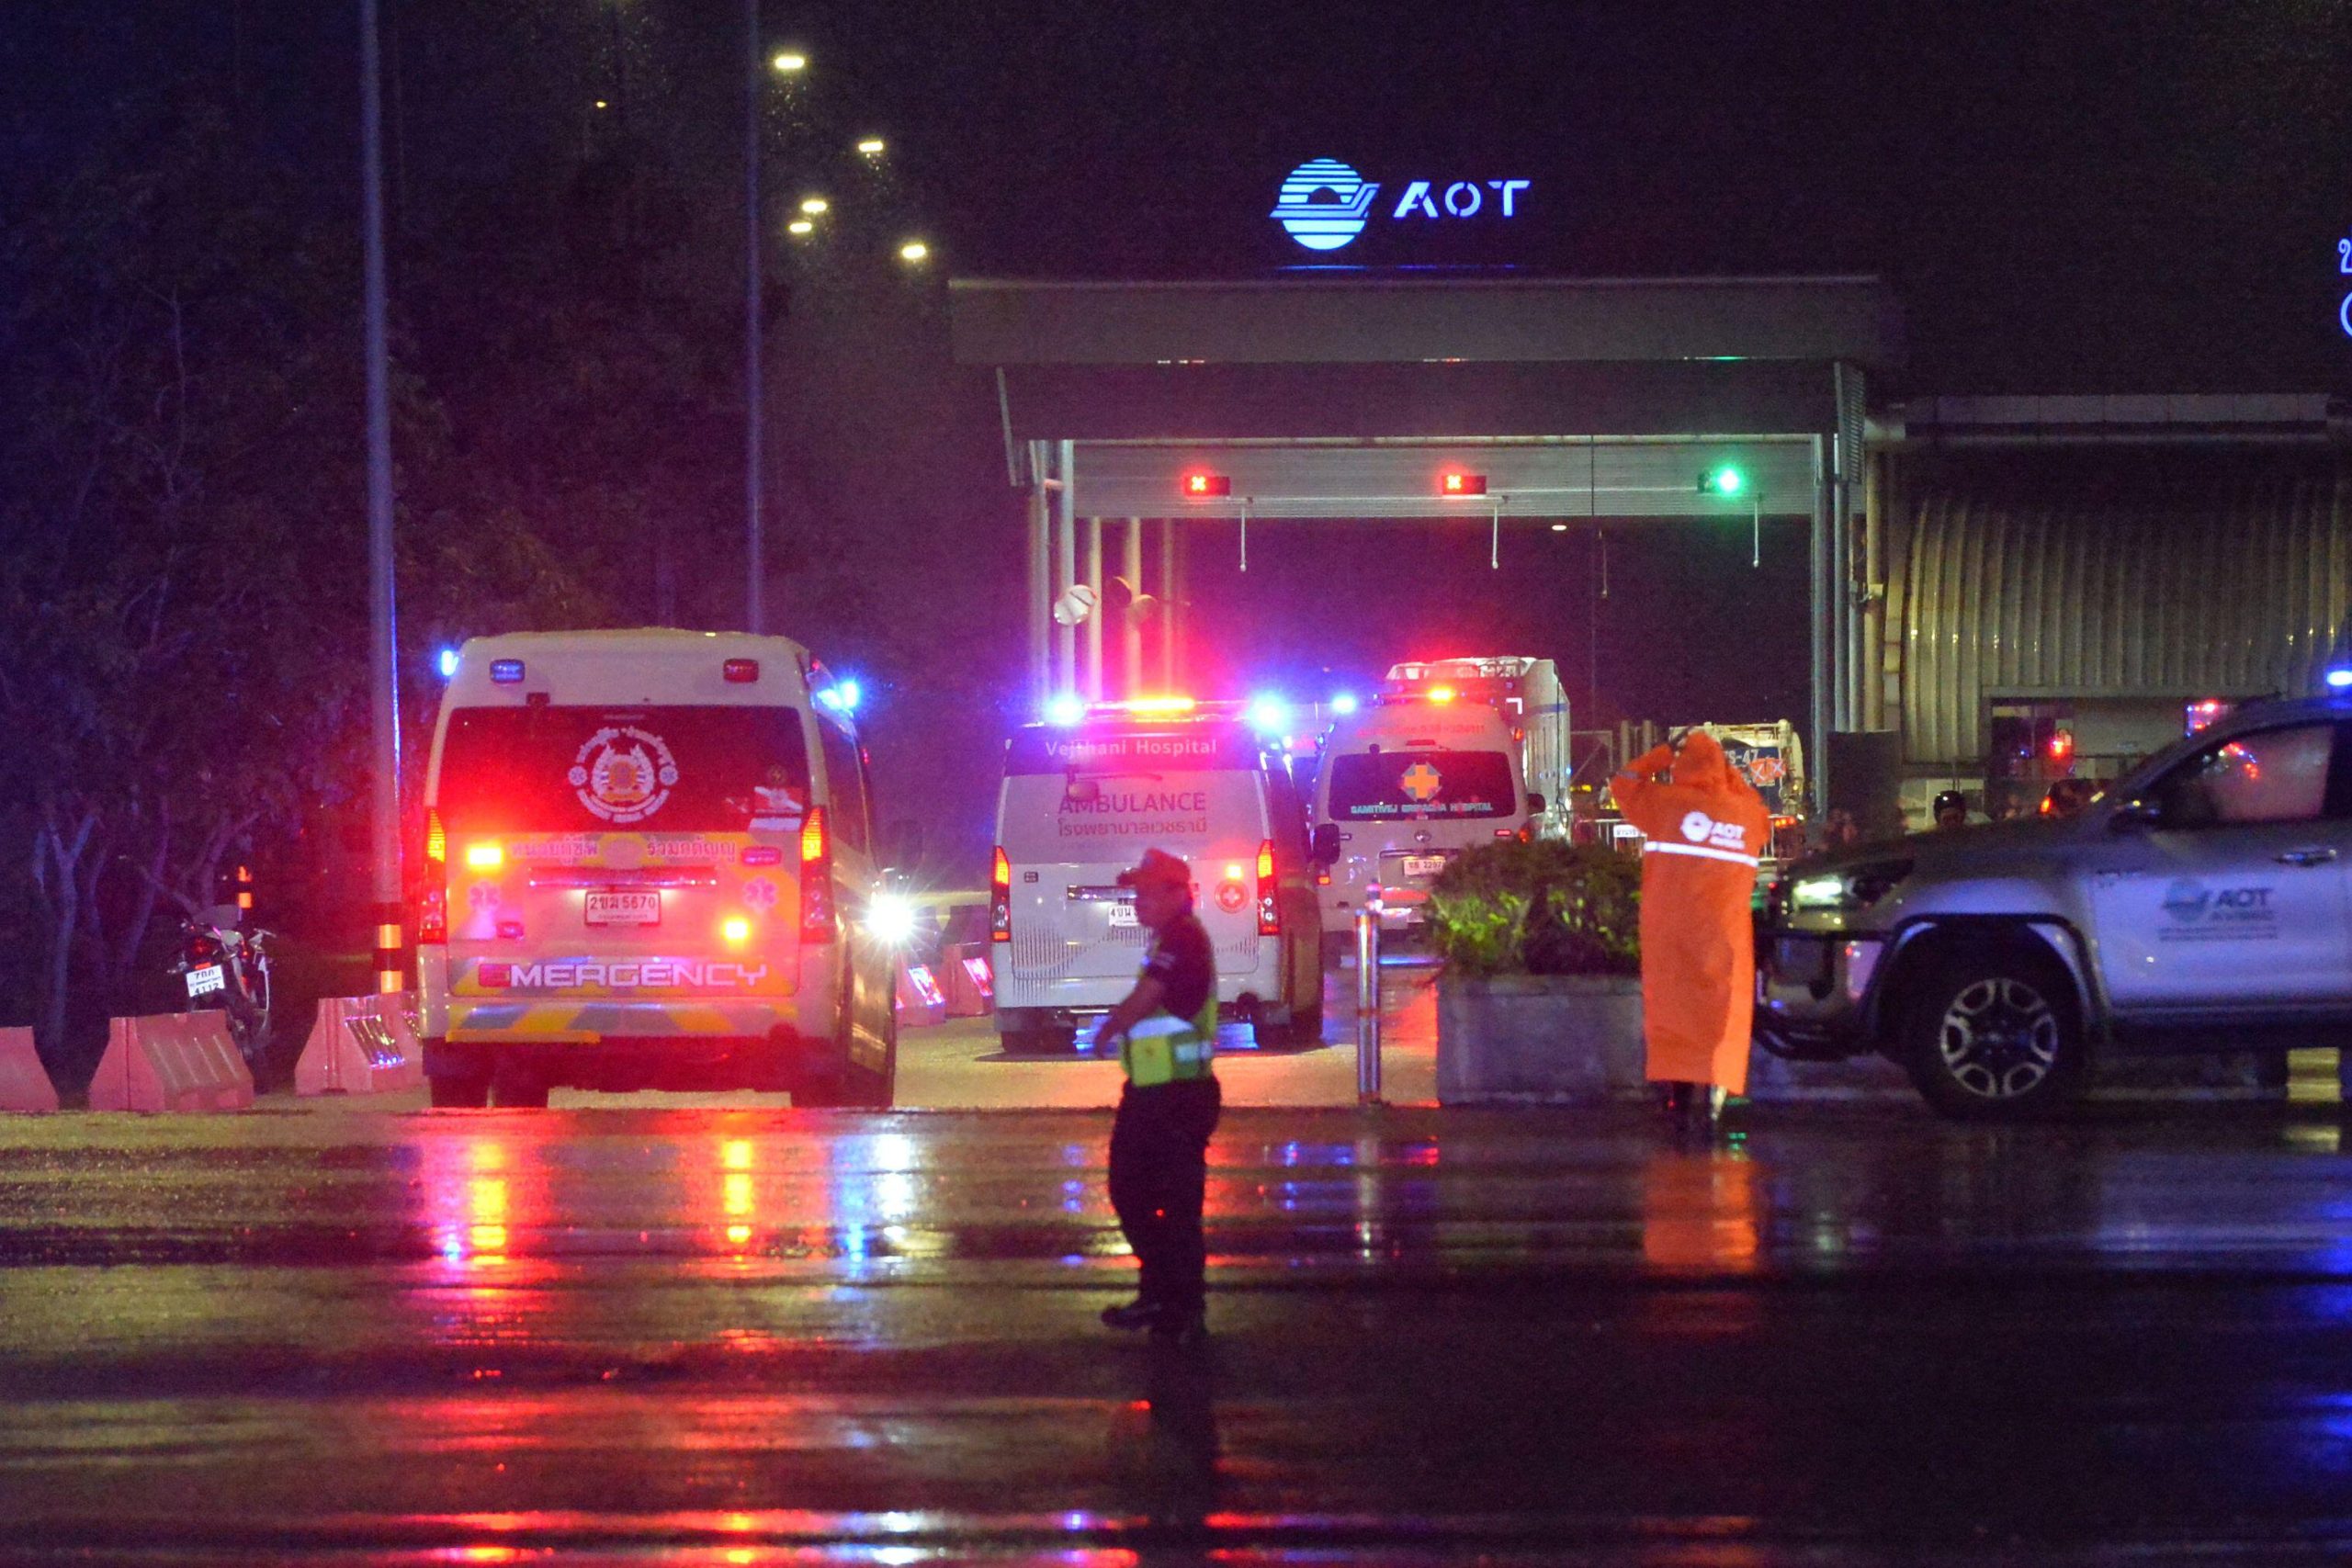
<point>1082,802</point>
<point>1403,787</point>
<point>647,854</point>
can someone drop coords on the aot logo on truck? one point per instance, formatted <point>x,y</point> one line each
<point>620,975</point>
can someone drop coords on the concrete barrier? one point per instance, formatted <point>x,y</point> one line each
<point>1539,1040</point>
<point>24,1082</point>
<point>359,1045</point>
<point>179,1061</point>
<point>920,1004</point>
<point>968,980</point>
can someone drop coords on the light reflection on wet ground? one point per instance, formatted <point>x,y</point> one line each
<point>686,1336</point>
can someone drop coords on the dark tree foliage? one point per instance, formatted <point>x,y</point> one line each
<point>183,575</point>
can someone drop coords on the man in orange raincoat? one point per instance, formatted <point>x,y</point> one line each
<point>1702,835</point>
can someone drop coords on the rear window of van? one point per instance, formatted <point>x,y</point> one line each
<point>586,770</point>
<point>1082,796</point>
<point>1374,785</point>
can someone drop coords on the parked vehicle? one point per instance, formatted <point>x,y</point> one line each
<point>226,969</point>
<point>2202,903</point>
<point>649,865</point>
<point>1079,804</point>
<point>1403,787</point>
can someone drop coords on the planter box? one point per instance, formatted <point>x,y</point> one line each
<point>1539,1039</point>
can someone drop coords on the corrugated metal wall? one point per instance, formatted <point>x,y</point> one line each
<point>2083,572</point>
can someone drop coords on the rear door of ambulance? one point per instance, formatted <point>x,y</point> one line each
<point>1080,806</point>
<point>620,870</point>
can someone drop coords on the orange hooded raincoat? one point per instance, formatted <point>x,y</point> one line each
<point>1702,836</point>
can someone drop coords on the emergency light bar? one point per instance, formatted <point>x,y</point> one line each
<point>1201,485</point>
<point>506,672</point>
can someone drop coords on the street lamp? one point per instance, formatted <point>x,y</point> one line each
<point>871,147</point>
<point>800,226</point>
<point>814,205</point>
<point>914,253</point>
<point>787,62</point>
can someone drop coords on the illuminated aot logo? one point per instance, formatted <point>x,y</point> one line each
<point>1323,203</point>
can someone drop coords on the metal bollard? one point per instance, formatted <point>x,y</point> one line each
<point>1368,1001</point>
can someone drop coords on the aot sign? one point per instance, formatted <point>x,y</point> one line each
<point>1325,204</point>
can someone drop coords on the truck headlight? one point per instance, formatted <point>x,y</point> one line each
<point>1856,888</point>
<point>891,918</point>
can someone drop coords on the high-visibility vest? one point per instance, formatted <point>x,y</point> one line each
<point>1164,1048</point>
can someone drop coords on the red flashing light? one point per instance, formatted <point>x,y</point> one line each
<point>1200,484</point>
<point>741,672</point>
<point>2061,745</point>
<point>1454,482</point>
<point>1001,897</point>
<point>815,878</point>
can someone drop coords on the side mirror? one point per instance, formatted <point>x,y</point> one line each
<point>1534,803</point>
<point>2136,816</point>
<point>1323,847</point>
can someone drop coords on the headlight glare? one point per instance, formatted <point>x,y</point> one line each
<point>1857,888</point>
<point>891,918</point>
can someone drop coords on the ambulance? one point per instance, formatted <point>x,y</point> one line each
<point>647,860</point>
<point>1526,691</point>
<point>1403,787</point>
<point>1080,802</point>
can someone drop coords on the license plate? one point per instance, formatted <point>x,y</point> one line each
<point>1424,866</point>
<point>1121,914</point>
<point>625,908</point>
<point>205,981</point>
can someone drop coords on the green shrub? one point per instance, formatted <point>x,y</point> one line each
<point>1546,908</point>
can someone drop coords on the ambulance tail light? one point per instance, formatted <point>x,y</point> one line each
<point>815,878</point>
<point>437,838</point>
<point>1000,898</point>
<point>1270,915</point>
<point>433,916</point>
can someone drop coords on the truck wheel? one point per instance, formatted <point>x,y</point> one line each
<point>465,1089</point>
<point>470,1093</point>
<point>514,1086</point>
<point>868,1089</point>
<point>1303,1028</point>
<point>1995,1035</point>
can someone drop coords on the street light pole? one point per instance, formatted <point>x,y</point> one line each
<point>383,683</point>
<point>753,620</point>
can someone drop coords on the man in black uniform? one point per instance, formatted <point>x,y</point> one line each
<point>1166,1032</point>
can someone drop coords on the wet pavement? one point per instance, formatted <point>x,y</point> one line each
<point>754,1335</point>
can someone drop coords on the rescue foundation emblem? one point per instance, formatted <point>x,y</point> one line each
<point>624,775</point>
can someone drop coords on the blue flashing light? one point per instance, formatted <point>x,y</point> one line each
<point>841,697</point>
<point>2338,679</point>
<point>506,672</point>
<point>1343,704</point>
<point>1269,714</point>
<point>1065,709</point>
<point>446,662</point>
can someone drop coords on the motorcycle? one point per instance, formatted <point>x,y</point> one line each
<point>227,968</point>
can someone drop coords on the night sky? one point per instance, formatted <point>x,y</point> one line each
<point>2068,198</point>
